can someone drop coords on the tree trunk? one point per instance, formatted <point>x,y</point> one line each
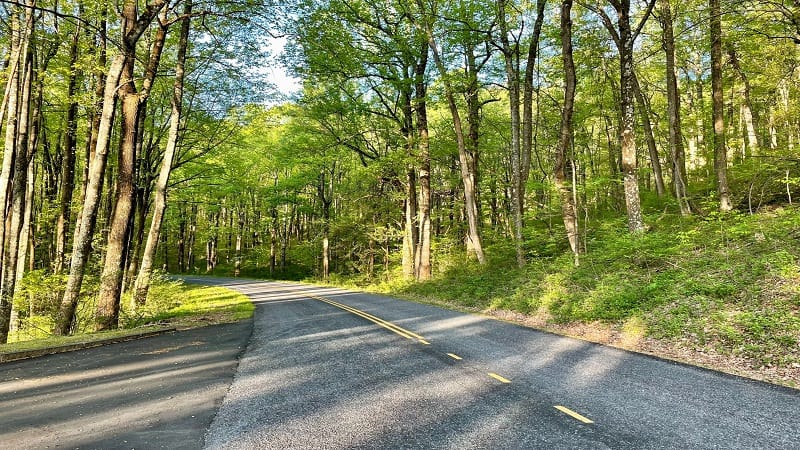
<point>108,298</point>
<point>273,241</point>
<point>644,115</point>
<point>678,157</point>
<point>285,236</point>
<point>134,107</point>
<point>229,221</point>
<point>473,103</point>
<point>26,242</point>
<point>409,232</point>
<point>26,249</point>
<point>751,137</point>
<point>237,262</point>
<point>423,266</point>
<point>563,184</point>
<point>142,285</point>
<point>136,241</point>
<point>511,60</point>
<point>526,150</point>
<point>696,140</point>
<point>24,154</point>
<point>411,206</point>
<point>85,228</point>
<point>19,57</point>
<point>468,177</point>
<point>215,242</point>
<point>67,188</point>
<point>95,117</point>
<point>627,139</point>
<point>190,257</point>
<point>720,150</point>
<point>325,193</point>
<point>624,36</point>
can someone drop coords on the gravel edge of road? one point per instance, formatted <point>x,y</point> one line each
<point>35,353</point>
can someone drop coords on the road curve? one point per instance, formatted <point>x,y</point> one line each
<point>329,368</point>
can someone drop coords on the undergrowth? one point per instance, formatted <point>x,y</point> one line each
<point>728,284</point>
<point>170,304</point>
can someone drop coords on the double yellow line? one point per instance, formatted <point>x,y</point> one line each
<point>414,336</point>
<point>377,320</point>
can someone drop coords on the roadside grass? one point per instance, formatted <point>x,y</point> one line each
<point>171,304</point>
<point>185,306</point>
<point>723,285</point>
<point>59,341</point>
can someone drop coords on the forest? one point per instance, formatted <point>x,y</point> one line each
<point>625,163</point>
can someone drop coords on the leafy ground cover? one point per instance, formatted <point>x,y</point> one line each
<point>719,291</point>
<point>171,304</point>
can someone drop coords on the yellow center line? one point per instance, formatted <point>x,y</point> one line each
<point>499,378</point>
<point>405,333</point>
<point>377,320</point>
<point>395,329</point>
<point>573,414</point>
<point>386,325</point>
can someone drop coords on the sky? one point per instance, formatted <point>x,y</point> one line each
<point>286,84</point>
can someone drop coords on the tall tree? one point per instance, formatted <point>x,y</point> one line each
<point>511,55</point>
<point>133,107</point>
<point>142,285</point>
<point>528,122</point>
<point>17,154</point>
<point>423,257</point>
<point>520,87</point>
<point>564,184</point>
<point>468,177</point>
<point>717,105</point>
<point>91,203</point>
<point>67,187</point>
<point>748,113</point>
<point>649,136</point>
<point>624,36</point>
<point>679,180</point>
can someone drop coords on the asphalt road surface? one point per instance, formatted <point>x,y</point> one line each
<point>328,369</point>
<point>158,392</point>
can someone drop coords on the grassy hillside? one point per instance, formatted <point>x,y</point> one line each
<point>718,291</point>
<point>171,304</point>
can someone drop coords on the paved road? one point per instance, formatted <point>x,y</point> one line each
<point>329,369</point>
<point>158,392</point>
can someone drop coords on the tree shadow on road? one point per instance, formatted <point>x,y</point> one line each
<point>160,392</point>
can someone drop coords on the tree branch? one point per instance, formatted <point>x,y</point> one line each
<point>644,19</point>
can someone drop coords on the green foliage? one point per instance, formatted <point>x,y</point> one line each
<point>727,283</point>
<point>170,302</point>
<point>37,302</point>
<point>765,182</point>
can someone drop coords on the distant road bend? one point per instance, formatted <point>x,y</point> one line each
<point>328,368</point>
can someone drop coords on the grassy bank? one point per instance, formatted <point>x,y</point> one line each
<point>171,304</point>
<point>718,291</point>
